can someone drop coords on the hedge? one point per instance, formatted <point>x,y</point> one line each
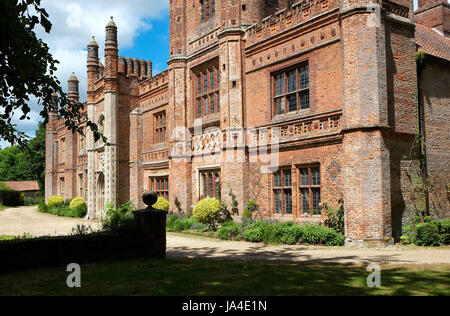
<point>50,251</point>
<point>281,233</point>
<point>429,233</point>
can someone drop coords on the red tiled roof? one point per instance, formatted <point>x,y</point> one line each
<point>431,42</point>
<point>23,186</point>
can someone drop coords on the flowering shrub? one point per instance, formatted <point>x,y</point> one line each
<point>55,201</point>
<point>77,202</point>
<point>207,211</point>
<point>162,204</point>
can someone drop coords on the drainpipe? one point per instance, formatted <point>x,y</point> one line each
<point>420,62</point>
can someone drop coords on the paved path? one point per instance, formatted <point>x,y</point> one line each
<point>27,219</point>
<point>179,246</point>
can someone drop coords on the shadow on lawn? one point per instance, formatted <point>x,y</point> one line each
<point>224,277</point>
<point>260,252</point>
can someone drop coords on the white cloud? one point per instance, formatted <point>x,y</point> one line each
<point>75,22</point>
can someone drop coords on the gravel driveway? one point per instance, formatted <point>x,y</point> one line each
<point>182,246</point>
<point>27,219</point>
<point>17,221</point>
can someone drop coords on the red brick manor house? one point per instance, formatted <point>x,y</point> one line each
<point>290,104</point>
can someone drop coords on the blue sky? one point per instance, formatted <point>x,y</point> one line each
<point>143,32</point>
<point>152,44</point>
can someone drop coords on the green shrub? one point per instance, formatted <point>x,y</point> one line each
<point>178,205</point>
<point>80,211</point>
<point>162,204</point>
<point>290,233</point>
<point>55,201</point>
<point>9,197</point>
<point>178,223</point>
<point>77,202</point>
<point>42,207</point>
<point>334,218</point>
<point>120,219</point>
<point>427,234</point>
<point>253,234</point>
<point>234,203</point>
<point>68,201</point>
<point>224,214</point>
<point>252,206</point>
<point>444,233</point>
<point>207,211</point>
<point>228,230</point>
<point>171,221</point>
<point>30,201</point>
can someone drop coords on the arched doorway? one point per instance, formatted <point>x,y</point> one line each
<point>100,207</point>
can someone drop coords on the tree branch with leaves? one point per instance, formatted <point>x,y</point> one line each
<point>27,69</point>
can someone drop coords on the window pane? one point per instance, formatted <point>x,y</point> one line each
<point>203,11</point>
<point>212,104</point>
<point>292,80</point>
<point>315,175</point>
<point>279,84</point>
<point>304,177</point>
<point>316,200</point>
<point>205,189</point>
<point>304,77</point>
<point>278,201</point>
<point>217,186</point>
<point>205,82</point>
<point>211,78</point>
<point>287,178</point>
<point>199,84</point>
<point>305,200</point>
<point>210,191</point>
<point>277,180</point>
<point>279,105</point>
<point>218,102</point>
<point>292,102</point>
<point>206,106</point>
<point>207,9</point>
<point>218,77</point>
<point>199,107</point>
<point>304,100</point>
<point>288,201</point>
<point>213,8</point>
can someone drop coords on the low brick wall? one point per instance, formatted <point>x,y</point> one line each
<point>50,251</point>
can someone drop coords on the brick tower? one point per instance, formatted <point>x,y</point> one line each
<point>92,72</point>
<point>51,150</point>
<point>111,92</point>
<point>369,45</point>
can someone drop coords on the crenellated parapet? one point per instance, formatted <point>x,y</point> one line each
<point>130,67</point>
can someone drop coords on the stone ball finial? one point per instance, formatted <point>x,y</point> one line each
<point>149,198</point>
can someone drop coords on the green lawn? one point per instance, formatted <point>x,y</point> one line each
<point>213,277</point>
<point>6,237</point>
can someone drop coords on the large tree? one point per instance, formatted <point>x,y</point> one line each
<point>28,69</point>
<point>25,163</point>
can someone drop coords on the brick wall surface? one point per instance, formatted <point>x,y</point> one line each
<point>360,125</point>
